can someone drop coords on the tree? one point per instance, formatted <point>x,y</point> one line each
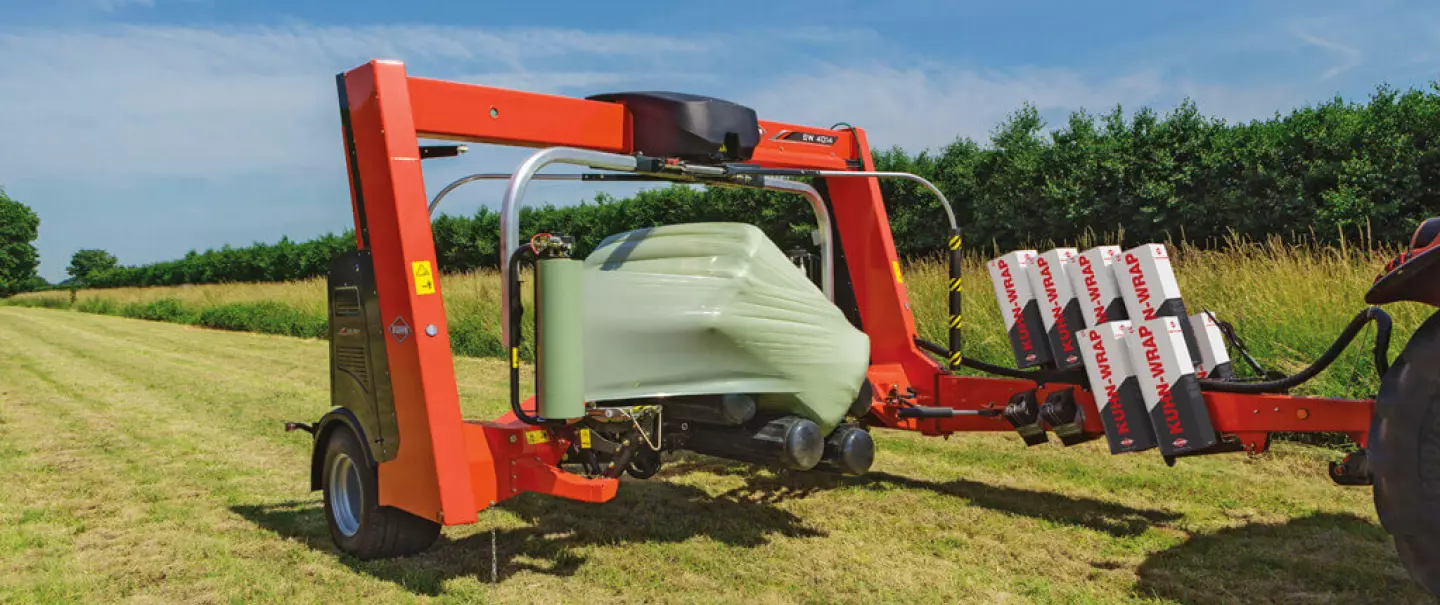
<point>18,257</point>
<point>86,263</point>
<point>37,283</point>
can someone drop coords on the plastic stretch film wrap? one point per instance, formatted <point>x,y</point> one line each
<point>713,308</point>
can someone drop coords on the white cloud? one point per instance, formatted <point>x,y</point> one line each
<point>1348,58</point>
<point>134,102</point>
<point>928,107</point>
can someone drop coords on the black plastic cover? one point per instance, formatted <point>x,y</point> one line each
<point>688,127</point>
<point>359,369</point>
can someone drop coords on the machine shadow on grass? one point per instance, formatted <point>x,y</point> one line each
<point>557,531</point>
<point>661,511</point>
<point>1114,519</point>
<point>1320,558</point>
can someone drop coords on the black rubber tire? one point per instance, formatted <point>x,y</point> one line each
<point>1421,555</point>
<point>644,465</point>
<point>383,531</point>
<point>1404,454</point>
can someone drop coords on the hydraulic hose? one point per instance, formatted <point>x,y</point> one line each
<point>517,309</point>
<point>1042,376</point>
<point>1365,316</point>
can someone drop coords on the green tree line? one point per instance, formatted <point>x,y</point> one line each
<point>1332,171</point>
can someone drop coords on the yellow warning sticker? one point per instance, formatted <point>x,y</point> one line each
<point>514,357</point>
<point>536,437</point>
<point>424,277</point>
<point>585,439</point>
<point>895,264</point>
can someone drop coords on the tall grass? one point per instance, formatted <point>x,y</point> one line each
<point>1288,302</point>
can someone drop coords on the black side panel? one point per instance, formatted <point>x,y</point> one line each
<point>352,162</point>
<point>359,371</point>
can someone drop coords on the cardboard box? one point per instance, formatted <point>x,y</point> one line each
<point>1147,282</point>
<point>1116,388</point>
<point>1167,381</point>
<point>1214,357</point>
<point>1059,309</point>
<point>1093,279</point>
<point>1008,274</point>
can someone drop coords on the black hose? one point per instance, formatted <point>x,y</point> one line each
<point>517,309</point>
<point>1365,316</point>
<point>1039,376</point>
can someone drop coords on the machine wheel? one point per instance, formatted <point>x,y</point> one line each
<point>1404,453</point>
<point>1421,555</point>
<point>645,464</point>
<point>359,526</point>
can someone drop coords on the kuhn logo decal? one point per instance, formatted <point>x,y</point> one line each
<point>1162,386</point>
<point>1112,391</point>
<point>1016,311</point>
<point>1142,289</point>
<point>1057,310</point>
<point>1092,290</point>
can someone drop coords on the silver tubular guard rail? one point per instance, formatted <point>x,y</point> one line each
<point>515,192</point>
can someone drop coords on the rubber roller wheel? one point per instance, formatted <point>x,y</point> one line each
<point>358,524</point>
<point>644,465</point>
<point>1405,454</point>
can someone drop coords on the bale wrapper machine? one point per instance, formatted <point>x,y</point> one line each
<point>706,338</point>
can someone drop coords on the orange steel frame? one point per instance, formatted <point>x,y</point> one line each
<point>449,469</point>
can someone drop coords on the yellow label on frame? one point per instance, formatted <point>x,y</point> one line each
<point>536,437</point>
<point>585,438</point>
<point>895,264</point>
<point>424,277</point>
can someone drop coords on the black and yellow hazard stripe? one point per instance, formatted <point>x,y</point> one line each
<point>957,284</point>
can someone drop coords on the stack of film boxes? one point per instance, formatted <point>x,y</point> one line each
<point>1120,315</point>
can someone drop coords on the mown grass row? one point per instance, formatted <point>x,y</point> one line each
<point>287,309</point>
<point>1288,302</point>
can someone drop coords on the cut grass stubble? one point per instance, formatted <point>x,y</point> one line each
<point>144,462</point>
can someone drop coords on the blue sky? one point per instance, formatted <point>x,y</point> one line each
<point>151,127</point>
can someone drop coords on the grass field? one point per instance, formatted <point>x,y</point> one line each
<point>1288,303</point>
<point>144,462</point>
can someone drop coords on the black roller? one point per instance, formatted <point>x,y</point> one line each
<point>792,442</point>
<point>1404,454</point>
<point>724,410</point>
<point>849,450</point>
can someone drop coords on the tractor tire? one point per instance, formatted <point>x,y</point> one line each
<point>1404,453</point>
<point>358,524</point>
<point>1421,555</point>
